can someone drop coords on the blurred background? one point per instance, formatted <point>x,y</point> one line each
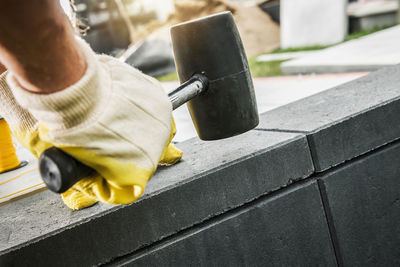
<point>295,48</point>
<point>138,30</point>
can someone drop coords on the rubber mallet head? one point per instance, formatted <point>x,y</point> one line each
<point>211,61</point>
<point>212,46</point>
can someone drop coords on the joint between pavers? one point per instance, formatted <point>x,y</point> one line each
<point>310,143</point>
<point>314,157</point>
<point>325,200</point>
<point>357,158</point>
<point>281,131</point>
<point>330,223</point>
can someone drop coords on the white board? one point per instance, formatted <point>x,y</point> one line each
<point>312,22</point>
<point>23,181</point>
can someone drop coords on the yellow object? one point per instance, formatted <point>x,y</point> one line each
<point>115,120</point>
<point>125,181</point>
<point>8,156</point>
<point>118,188</point>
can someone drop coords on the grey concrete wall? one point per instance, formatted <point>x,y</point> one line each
<point>212,178</point>
<point>363,199</point>
<point>288,229</point>
<point>315,184</point>
<point>346,121</point>
<point>350,219</point>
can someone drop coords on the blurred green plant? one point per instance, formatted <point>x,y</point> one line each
<point>362,33</point>
<point>257,69</point>
<point>297,49</point>
<point>264,69</point>
<point>168,77</point>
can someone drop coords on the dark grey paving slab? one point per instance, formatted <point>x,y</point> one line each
<point>364,201</point>
<point>288,229</point>
<point>345,121</point>
<point>212,178</point>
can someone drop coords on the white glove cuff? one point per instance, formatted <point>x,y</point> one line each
<point>77,105</point>
<point>15,115</point>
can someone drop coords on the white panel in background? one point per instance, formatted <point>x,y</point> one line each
<point>312,22</point>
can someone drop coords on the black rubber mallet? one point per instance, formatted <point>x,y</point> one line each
<point>218,89</point>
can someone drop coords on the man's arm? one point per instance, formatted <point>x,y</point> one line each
<point>2,68</point>
<point>37,44</point>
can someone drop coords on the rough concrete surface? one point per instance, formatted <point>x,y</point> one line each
<point>367,53</point>
<point>346,121</point>
<point>364,201</point>
<point>212,178</point>
<point>288,229</point>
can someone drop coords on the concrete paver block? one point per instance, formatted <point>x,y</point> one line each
<point>212,178</point>
<point>364,200</point>
<point>288,229</point>
<point>346,121</point>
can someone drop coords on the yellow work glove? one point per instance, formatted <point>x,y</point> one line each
<point>114,119</point>
<point>23,125</point>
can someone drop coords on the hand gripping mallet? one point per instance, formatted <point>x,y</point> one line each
<point>219,91</point>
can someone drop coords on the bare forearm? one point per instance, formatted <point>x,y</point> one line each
<point>37,45</point>
<point>2,68</point>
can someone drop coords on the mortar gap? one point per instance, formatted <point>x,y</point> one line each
<point>359,157</point>
<point>329,221</point>
<point>280,130</point>
<point>314,157</point>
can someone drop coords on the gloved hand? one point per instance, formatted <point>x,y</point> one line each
<point>23,125</point>
<point>114,119</point>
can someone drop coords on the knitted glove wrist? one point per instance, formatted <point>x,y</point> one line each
<point>114,119</point>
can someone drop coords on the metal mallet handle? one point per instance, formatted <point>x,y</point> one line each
<point>188,90</point>
<point>60,171</point>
